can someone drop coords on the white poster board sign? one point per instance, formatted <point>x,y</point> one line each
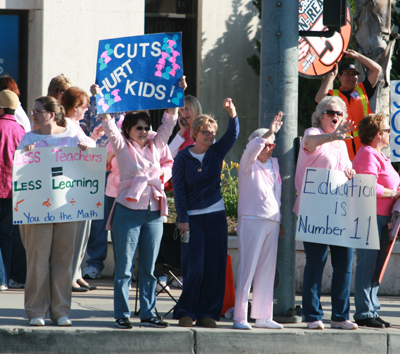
<point>337,211</point>
<point>395,120</point>
<point>58,184</point>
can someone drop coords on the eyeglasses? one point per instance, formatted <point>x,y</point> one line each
<point>139,128</point>
<point>207,133</point>
<point>329,112</point>
<point>85,106</point>
<point>270,146</point>
<point>34,112</point>
<point>62,91</point>
<point>387,130</point>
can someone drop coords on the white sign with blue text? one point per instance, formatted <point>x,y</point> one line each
<point>337,211</point>
<point>395,121</point>
<point>139,72</point>
<point>58,184</point>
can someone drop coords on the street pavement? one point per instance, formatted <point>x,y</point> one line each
<point>94,331</point>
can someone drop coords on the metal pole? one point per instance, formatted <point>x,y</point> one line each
<point>279,92</point>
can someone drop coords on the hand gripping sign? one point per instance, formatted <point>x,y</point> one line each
<point>58,184</point>
<point>139,72</point>
<point>318,55</point>
<point>337,211</point>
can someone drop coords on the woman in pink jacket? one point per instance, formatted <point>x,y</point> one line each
<point>258,227</point>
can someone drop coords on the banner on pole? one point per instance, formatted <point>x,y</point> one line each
<point>337,211</point>
<point>395,121</point>
<point>140,72</point>
<point>58,184</point>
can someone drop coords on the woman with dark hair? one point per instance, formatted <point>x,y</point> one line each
<point>141,203</point>
<point>374,133</point>
<point>7,82</point>
<point>49,247</point>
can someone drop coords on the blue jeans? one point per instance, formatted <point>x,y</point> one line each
<point>203,262</point>
<point>98,243</point>
<point>368,267</point>
<point>6,235</point>
<point>342,259</point>
<point>136,229</point>
<point>18,261</point>
<point>3,279</point>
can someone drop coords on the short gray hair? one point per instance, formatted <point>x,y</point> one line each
<point>321,108</point>
<point>260,132</point>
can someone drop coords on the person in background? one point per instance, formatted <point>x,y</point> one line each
<point>49,247</point>
<point>197,189</point>
<point>75,102</point>
<point>374,132</point>
<point>260,189</point>
<point>58,86</point>
<point>355,95</point>
<point>18,258</point>
<point>323,147</point>
<point>187,114</point>
<point>97,244</point>
<point>11,133</point>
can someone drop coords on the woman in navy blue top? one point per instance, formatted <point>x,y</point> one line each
<point>202,220</point>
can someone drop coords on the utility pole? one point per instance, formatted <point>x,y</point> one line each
<point>279,92</point>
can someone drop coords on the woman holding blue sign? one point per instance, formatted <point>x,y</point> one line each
<point>323,147</point>
<point>374,132</point>
<point>138,210</point>
<point>49,247</point>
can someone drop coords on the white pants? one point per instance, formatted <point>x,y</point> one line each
<point>258,245</point>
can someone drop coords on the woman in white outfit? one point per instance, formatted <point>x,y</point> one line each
<point>258,228</point>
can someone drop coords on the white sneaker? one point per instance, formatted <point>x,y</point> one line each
<point>38,321</point>
<point>315,325</point>
<point>14,284</point>
<point>344,324</point>
<point>262,323</point>
<point>91,273</point>
<point>3,287</point>
<point>161,285</point>
<point>241,325</point>
<point>64,321</point>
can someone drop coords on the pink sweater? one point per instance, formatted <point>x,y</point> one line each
<point>368,161</point>
<point>258,194</point>
<point>143,163</point>
<point>333,156</point>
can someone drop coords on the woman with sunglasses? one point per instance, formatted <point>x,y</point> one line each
<point>49,247</point>
<point>374,133</point>
<point>323,146</point>
<point>58,86</point>
<point>137,214</point>
<point>202,220</point>
<point>258,228</point>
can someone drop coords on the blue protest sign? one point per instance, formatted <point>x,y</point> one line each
<point>139,72</point>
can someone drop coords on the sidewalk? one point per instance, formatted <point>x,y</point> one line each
<point>93,331</point>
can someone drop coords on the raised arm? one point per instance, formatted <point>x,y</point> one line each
<point>326,85</point>
<point>373,67</point>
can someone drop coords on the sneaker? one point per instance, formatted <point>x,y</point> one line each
<point>154,322</point>
<point>3,287</point>
<point>176,284</point>
<point>38,321</point>
<point>344,325</point>
<point>14,284</point>
<point>123,323</point>
<point>162,286</point>
<point>91,273</point>
<point>241,325</point>
<point>263,323</point>
<point>64,321</point>
<point>207,322</point>
<point>315,325</point>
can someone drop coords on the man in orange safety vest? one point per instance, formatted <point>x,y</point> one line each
<point>355,95</point>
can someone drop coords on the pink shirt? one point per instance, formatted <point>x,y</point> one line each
<point>113,177</point>
<point>259,194</point>
<point>368,161</point>
<point>333,156</point>
<point>134,161</point>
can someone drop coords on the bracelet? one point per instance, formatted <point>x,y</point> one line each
<point>95,136</point>
<point>393,193</point>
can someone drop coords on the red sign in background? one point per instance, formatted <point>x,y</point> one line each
<point>318,55</point>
